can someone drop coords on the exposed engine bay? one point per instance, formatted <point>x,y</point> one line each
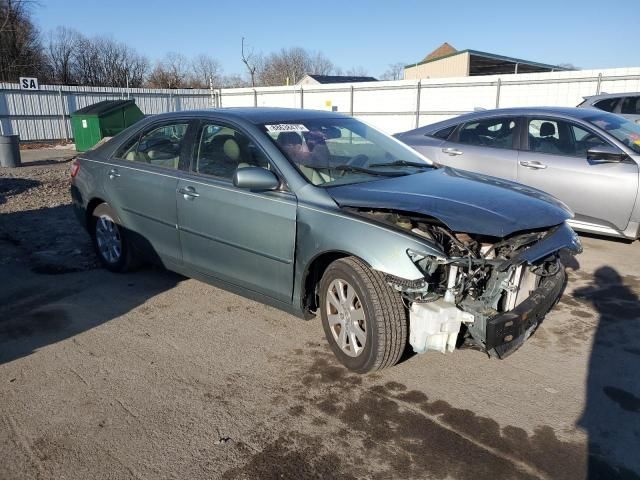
<point>481,291</point>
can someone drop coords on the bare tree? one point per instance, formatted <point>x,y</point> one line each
<point>358,71</point>
<point>394,72</point>
<point>233,81</point>
<point>289,65</point>
<point>20,46</point>
<point>170,72</point>
<point>203,68</point>
<point>250,61</point>
<point>61,52</point>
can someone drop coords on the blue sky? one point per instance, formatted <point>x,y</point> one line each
<point>352,33</point>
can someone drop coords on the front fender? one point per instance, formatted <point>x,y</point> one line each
<point>322,230</point>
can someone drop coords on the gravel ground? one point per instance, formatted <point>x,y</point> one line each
<point>37,217</point>
<point>151,375</point>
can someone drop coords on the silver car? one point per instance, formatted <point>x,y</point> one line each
<point>625,104</point>
<point>586,158</point>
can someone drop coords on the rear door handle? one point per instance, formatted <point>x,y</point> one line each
<point>533,164</point>
<point>113,173</point>
<point>452,151</point>
<point>188,193</point>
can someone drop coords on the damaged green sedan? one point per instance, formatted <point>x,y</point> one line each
<point>318,213</point>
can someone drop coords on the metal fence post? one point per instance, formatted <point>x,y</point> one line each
<point>255,97</point>
<point>498,85</point>
<point>418,103</point>
<point>301,97</point>
<point>219,98</point>
<point>64,119</point>
<point>599,83</point>
<point>351,102</point>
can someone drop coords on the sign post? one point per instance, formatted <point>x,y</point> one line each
<point>29,83</point>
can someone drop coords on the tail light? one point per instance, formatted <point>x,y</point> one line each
<point>75,168</point>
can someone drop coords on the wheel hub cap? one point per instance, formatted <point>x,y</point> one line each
<point>108,239</point>
<point>346,317</point>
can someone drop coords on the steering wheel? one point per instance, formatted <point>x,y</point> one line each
<point>359,160</point>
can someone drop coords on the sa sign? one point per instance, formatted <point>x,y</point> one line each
<point>28,83</point>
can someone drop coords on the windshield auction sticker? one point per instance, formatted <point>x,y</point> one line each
<point>287,127</point>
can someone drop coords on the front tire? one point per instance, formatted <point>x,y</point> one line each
<point>110,241</point>
<point>363,318</point>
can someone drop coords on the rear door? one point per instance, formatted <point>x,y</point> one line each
<point>242,237</point>
<point>555,161</point>
<point>141,184</point>
<point>487,145</point>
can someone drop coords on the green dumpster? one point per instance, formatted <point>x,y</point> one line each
<point>103,119</point>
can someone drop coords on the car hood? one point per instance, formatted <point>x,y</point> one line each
<point>464,201</point>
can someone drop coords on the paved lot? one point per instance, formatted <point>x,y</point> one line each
<point>151,375</point>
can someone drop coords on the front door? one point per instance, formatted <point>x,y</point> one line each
<point>141,187</point>
<point>556,162</point>
<point>484,146</point>
<point>242,237</point>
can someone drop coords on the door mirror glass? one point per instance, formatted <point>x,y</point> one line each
<point>255,178</point>
<point>606,153</point>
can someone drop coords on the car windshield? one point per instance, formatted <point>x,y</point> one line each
<point>338,151</point>
<point>619,127</point>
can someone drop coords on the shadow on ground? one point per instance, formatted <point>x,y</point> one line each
<point>612,411</point>
<point>41,301</point>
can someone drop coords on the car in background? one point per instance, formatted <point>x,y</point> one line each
<point>587,158</point>
<point>317,213</point>
<point>625,104</point>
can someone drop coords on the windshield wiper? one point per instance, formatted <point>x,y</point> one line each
<point>353,168</point>
<point>402,163</point>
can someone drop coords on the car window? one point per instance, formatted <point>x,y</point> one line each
<point>128,150</point>
<point>558,137</point>
<point>630,106</point>
<point>220,150</point>
<point>608,104</point>
<point>445,132</point>
<point>493,132</point>
<point>338,151</point>
<point>159,146</point>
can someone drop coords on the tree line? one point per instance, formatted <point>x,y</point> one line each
<point>67,57</point>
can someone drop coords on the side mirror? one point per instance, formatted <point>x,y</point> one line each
<point>255,178</point>
<point>606,153</point>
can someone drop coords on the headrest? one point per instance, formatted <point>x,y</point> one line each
<point>232,149</point>
<point>547,129</point>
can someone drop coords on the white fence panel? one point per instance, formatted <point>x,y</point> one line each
<point>392,106</point>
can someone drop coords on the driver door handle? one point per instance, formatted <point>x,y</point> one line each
<point>188,193</point>
<point>533,164</point>
<point>452,151</point>
<point>113,173</point>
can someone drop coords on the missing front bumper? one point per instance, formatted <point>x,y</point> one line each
<point>507,331</point>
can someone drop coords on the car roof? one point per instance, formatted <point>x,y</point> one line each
<point>572,112</point>
<point>259,115</point>
<point>612,95</point>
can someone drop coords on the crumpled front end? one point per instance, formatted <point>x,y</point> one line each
<point>486,292</point>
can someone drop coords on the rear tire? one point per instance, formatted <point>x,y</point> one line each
<point>363,318</point>
<point>112,246</point>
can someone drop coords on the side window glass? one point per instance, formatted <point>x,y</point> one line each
<point>160,146</point>
<point>128,150</point>
<point>445,132</point>
<point>608,105</point>
<point>631,106</point>
<point>494,132</point>
<point>557,137</point>
<point>221,150</point>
